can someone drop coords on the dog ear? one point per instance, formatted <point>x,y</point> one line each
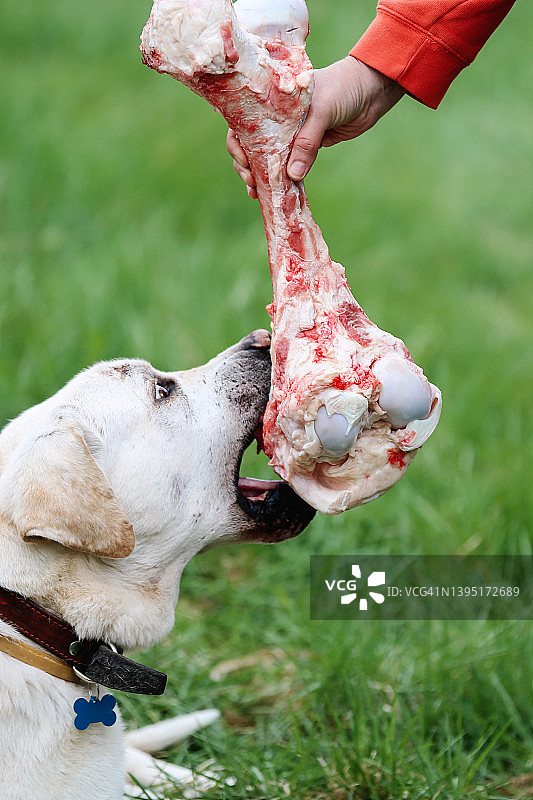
<point>54,489</point>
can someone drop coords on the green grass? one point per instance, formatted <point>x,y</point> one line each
<point>124,231</point>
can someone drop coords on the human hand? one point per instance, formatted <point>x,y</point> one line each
<point>348,99</point>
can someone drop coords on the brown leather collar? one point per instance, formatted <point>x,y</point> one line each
<point>44,628</point>
<point>97,661</point>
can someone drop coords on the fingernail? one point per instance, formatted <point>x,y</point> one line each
<point>297,170</point>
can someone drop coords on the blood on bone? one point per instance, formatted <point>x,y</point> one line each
<point>282,352</point>
<point>278,50</point>
<point>357,376</point>
<point>297,278</point>
<point>229,46</point>
<point>356,323</point>
<point>288,204</point>
<point>364,378</point>
<point>326,332</point>
<point>322,332</point>
<point>270,419</point>
<point>153,59</point>
<point>343,382</point>
<point>396,458</point>
<point>320,354</point>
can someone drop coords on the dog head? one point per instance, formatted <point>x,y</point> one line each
<point>127,472</point>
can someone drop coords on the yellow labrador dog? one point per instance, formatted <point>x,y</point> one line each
<point>107,490</point>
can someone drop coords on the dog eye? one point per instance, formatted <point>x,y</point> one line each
<point>162,391</point>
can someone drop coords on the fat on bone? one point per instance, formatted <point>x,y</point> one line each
<point>329,361</point>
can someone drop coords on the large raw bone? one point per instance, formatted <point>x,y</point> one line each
<point>324,428</point>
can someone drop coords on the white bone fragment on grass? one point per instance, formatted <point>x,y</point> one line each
<point>322,341</point>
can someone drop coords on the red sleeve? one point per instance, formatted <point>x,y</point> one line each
<point>424,44</point>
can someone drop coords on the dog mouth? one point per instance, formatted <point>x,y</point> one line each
<point>256,489</point>
<point>277,511</point>
<point>274,511</point>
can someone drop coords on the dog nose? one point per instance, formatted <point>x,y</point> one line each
<point>257,340</point>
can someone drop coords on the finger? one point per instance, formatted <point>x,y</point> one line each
<point>248,179</point>
<point>244,174</point>
<point>305,147</point>
<point>235,150</point>
<point>345,133</point>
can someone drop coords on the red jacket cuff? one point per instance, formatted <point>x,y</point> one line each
<point>409,55</point>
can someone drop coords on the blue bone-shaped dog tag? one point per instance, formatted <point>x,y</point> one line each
<point>95,710</point>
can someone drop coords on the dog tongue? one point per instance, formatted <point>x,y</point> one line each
<point>255,488</point>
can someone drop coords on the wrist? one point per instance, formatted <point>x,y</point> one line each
<point>381,92</point>
<point>377,82</point>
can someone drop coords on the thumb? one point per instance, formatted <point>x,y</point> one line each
<point>305,147</point>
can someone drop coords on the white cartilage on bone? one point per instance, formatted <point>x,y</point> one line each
<point>419,431</point>
<point>286,20</point>
<point>405,395</point>
<point>333,431</point>
<point>339,421</point>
